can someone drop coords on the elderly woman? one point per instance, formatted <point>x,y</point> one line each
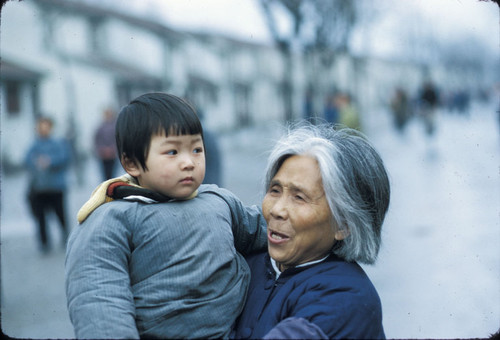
<point>327,196</point>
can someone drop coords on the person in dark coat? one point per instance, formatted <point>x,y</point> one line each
<point>213,154</point>
<point>327,196</point>
<point>428,104</point>
<point>400,109</point>
<point>105,145</point>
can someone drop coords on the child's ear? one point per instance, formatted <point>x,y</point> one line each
<point>130,166</point>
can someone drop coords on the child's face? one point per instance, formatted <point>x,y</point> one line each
<point>176,165</point>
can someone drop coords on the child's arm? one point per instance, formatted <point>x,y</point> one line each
<point>248,224</point>
<point>249,229</point>
<point>98,289</point>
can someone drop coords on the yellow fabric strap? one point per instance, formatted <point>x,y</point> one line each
<point>99,196</point>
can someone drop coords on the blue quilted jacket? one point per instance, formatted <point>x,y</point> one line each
<point>333,299</point>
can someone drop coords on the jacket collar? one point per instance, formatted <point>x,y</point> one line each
<point>290,271</point>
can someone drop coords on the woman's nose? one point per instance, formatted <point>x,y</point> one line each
<point>279,208</point>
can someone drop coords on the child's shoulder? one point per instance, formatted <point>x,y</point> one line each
<point>208,188</point>
<point>213,189</point>
<point>216,191</point>
<point>117,209</point>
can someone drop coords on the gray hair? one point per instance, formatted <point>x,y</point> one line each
<point>354,178</point>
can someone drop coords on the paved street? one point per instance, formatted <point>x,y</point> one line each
<point>438,273</point>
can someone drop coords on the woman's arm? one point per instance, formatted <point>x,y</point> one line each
<point>295,328</point>
<point>338,305</point>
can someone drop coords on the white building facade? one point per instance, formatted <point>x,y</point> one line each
<point>71,60</point>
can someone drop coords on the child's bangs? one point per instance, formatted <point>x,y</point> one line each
<point>180,125</point>
<point>176,117</point>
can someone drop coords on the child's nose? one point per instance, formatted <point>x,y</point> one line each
<point>187,162</point>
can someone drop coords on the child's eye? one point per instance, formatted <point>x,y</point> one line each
<point>171,152</point>
<point>198,150</point>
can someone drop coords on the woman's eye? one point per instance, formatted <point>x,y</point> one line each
<point>299,198</point>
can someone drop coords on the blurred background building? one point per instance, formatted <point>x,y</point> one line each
<point>249,66</point>
<point>71,59</point>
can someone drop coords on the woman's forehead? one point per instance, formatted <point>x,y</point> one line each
<point>299,172</point>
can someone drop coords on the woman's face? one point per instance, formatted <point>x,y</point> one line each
<point>300,226</point>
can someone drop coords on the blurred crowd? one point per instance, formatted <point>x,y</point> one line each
<point>422,105</point>
<point>340,107</point>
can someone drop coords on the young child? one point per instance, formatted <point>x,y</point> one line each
<point>161,262</point>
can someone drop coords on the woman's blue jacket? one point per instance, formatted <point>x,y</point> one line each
<point>333,299</point>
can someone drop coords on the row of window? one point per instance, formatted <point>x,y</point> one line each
<point>12,97</point>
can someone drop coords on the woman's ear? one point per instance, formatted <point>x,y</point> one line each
<point>341,234</point>
<point>130,166</point>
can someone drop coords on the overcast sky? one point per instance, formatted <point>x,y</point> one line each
<point>397,21</point>
<point>243,18</point>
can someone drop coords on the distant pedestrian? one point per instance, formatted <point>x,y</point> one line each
<point>400,109</point>
<point>348,115</point>
<point>213,154</point>
<point>105,145</point>
<point>462,101</point>
<point>331,112</point>
<point>309,107</point>
<point>213,158</point>
<point>428,103</point>
<point>47,161</point>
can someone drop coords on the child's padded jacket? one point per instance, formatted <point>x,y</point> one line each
<point>162,270</point>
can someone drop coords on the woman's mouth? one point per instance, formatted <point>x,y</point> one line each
<point>276,238</point>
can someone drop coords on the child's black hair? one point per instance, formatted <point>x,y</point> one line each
<point>152,114</point>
